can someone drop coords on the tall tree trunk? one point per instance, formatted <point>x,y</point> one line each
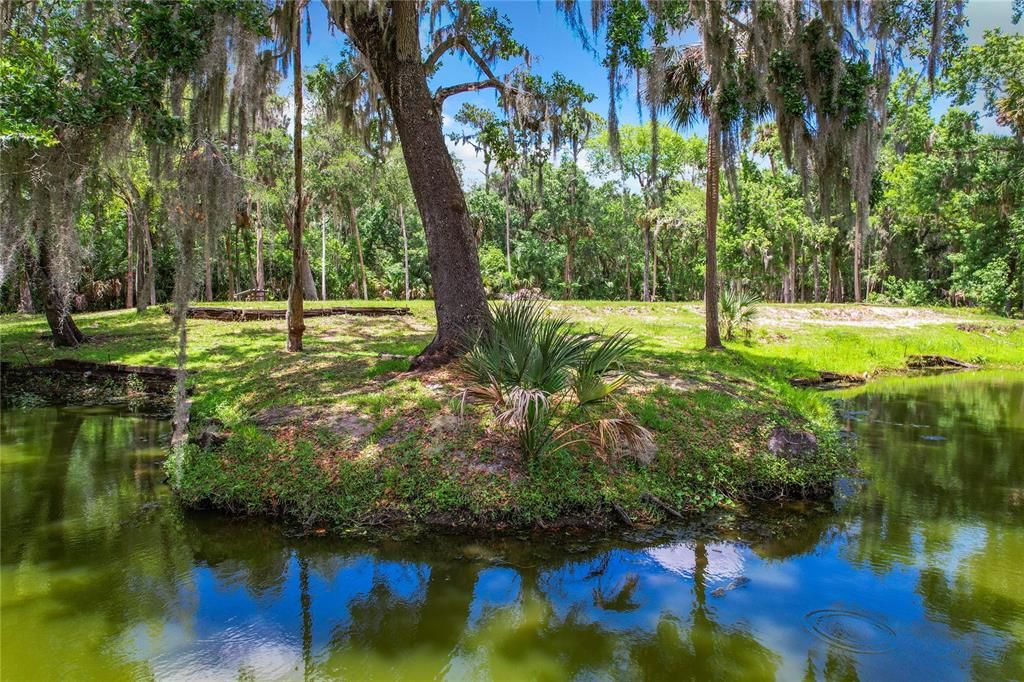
<point>508,226</point>
<point>261,278</point>
<point>645,234</point>
<point>296,324</point>
<point>354,214</point>
<point>792,269</point>
<point>146,295</point>
<point>654,265</point>
<point>570,264</point>
<point>629,276</point>
<point>129,277</point>
<point>712,339</point>
<point>835,276</point>
<point>150,268</point>
<point>859,225</point>
<point>65,332</point>
<point>393,49</point>
<point>323,257</point>
<point>405,248</point>
<point>817,273</point>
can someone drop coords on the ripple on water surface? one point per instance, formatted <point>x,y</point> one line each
<point>854,631</point>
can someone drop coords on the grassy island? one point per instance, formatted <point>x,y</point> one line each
<point>342,436</point>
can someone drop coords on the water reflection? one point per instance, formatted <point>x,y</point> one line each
<point>916,576</point>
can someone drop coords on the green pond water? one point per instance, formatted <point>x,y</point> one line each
<point>916,574</point>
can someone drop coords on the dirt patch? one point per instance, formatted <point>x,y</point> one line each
<point>855,316</point>
<point>340,422</point>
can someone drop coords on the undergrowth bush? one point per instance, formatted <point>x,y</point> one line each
<point>553,387</point>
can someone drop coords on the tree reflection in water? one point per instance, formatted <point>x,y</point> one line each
<point>103,577</point>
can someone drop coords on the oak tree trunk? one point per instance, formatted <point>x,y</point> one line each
<point>64,330</point>
<point>393,49</point>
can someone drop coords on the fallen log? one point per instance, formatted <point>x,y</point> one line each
<point>936,362</point>
<point>664,506</point>
<point>258,314</point>
<point>827,380</point>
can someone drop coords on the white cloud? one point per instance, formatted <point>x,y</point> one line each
<point>471,162</point>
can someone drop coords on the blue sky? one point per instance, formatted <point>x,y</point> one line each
<point>539,26</point>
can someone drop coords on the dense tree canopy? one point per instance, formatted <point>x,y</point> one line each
<point>132,131</point>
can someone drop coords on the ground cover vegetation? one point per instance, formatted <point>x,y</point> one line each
<point>148,156</point>
<point>367,443</point>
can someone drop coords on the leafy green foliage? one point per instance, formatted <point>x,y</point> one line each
<point>737,310</point>
<point>541,378</point>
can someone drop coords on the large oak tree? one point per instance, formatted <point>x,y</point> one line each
<point>387,34</point>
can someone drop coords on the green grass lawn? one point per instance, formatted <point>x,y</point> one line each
<point>340,435</point>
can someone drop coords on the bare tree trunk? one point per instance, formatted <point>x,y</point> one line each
<point>792,269</point>
<point>629,276</point>
<point>150,268</point>
<point>645,235</point>
<point>129,277</point>
<point>323,257</point>
<point>508,226</point>
<point>354,213</point>
<point>296,324</point>
<point>817,273</point>
<point>654,266</point>
<point>393,49</point>
<point>405,247</point>
<point>146,295</point>
<point>261,278</point>
<point>712,339</point>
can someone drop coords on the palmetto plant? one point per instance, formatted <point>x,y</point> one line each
<point>737,310</point>
<point>544,381</point>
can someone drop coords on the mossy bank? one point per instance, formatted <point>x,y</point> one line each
<point>339,437</point>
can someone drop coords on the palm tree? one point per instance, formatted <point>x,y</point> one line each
<point>690,97</point>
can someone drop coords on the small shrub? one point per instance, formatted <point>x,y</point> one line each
<point>897,291</point>
<point>737,310</point>
<point>545,382</point>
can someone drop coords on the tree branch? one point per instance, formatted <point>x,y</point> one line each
<point>481,64</point>
<point>444,93</point>
<point>462,41</point>
<point>445,45</point>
